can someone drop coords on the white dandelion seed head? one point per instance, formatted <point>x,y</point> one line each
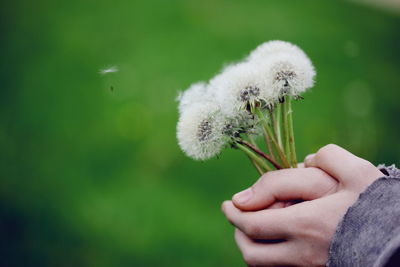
<point>238,86</point>
<point>109,70</point>
<point>200,130</point>
<point>289,74</point>
<point>263,51</point>
<point>196,93</point>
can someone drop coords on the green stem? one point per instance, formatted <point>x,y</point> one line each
<point>269,145</point>
<point>253,142</point>
<point>291,134</point>
<point>260,153</point>
<point>258,168</point>
<point>271,136</point>
<point>274,125</point>
<point>276,130</point>
<point>266,138</point>
<point>285,124</point>
<point>252,155</point>
<point>278,123</point>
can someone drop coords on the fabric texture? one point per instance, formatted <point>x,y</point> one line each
<point>369,232</point>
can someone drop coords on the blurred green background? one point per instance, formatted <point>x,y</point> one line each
<point>91,176</point>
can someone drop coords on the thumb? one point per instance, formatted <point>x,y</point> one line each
<point>284,185</point>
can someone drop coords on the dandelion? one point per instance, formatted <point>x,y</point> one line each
<point>196,93</point>
<point>289,74</point>
<point>287,68</point>
<point>200,130</point>
<point>240,87</point>
<point>244,100</point>
<point>111,69</point>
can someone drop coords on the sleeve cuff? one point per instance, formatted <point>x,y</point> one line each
<point>369,233</point>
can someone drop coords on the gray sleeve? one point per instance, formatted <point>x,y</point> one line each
<point>369,233</point>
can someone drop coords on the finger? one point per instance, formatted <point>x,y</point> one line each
<point>277,205</point>
<point>342,164</point>
<point>263,224</point>
<point>284,185</point>
<point>307,159</point>
<point>282,204</point>
<point>261,254</point>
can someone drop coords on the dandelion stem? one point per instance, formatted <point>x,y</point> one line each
<point>271,136</point>
<point>291,133</point>
<point>269,146</point>
<point>285,123</point>
<point>275,129</point>
<point>252,155</point>
<point>278,111</point>
<point>262,154</point>
<point>253,142</point>
<point>266,138</point>
<point>273,122</point>
<point>258,168</point>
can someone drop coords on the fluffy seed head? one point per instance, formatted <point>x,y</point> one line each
<point>289,74</point>
<point>239,86</point>
<point>196,93</point>
<point>200,130</point>
<point>286,67</point>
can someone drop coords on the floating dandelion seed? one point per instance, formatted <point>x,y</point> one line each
<point>111,69</point>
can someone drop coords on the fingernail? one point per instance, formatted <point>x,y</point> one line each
<point>244,196</point>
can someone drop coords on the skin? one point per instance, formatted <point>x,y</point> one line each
<point>327,186</point>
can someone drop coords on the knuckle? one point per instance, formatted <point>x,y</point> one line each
<point>264,181</point>
<point>271,177</point>
<point>253,230</point>
<point>367,172</point>
<point>322,186</point>
<point>366,166</point>
<point>264,178</point>
<point>326,150</point>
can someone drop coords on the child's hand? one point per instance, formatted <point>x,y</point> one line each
<point>306,228</point>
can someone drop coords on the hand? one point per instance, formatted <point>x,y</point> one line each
<point>331,181</point>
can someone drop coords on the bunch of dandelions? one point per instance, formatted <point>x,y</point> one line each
<point>245,101</point>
